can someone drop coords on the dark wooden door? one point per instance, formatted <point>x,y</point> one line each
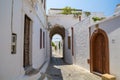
<point>99,54</point>
<point>27,42</point>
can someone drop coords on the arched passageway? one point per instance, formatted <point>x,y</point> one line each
<point>57,45</point>
<point>99,54</point>
<point>57,29</point>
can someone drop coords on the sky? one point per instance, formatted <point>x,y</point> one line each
<point>56,37</point>
<point>105,6</point>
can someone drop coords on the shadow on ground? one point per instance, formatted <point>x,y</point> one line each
<point>53,70</point>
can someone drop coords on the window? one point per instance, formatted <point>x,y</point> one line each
<point>43,39</point>
<point>40,38</point>
<point>14,40</point>
<point>69,42</point>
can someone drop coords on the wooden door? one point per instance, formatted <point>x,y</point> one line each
<point>27,42</point>
<point>99,52</point>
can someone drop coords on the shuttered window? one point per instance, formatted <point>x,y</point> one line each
<point>40,38</point>
<point>43,39</point>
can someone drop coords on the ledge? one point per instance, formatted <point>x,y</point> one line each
<point>31,71</point>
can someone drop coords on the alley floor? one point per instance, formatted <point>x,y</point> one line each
<point>58,70</point>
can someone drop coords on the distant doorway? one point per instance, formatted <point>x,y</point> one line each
<point>99,52</point>
<point>27,42</point>
<point>57,45</point>
<point>59,30</point>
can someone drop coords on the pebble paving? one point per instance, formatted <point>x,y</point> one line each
<point>58,70</point>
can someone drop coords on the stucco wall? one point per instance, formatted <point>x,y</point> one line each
<point>68,54</point>
<point>12,64</point>
<point>81,39</point>
<point>65,20</point>
<point>112,27</point>
<point>81,43</point>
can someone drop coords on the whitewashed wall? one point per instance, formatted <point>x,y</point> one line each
<point>10,63</point>
<point>81,43</point>
<point>65,20</point>
<point>112,27</point>
<point>11,67</point>
<point>81,39</point>
<point>68,53</point>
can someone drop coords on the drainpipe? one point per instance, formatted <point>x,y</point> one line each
<point>11,25</point>
<point>89,32</point>
<point>74,57</point>
<point>89,59</point>
<point>12,17</point>
<point>72,41</point>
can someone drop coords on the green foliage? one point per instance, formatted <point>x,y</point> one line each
<point>87,13</point>
<point>55,47</point>
<point>59,45</point>
<point>67,10</point>
<point>98,19</point>
<point>77,14</point>
<point>53,44</point>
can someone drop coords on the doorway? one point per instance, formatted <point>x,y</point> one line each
<point>27,43</point>
<point>59,31</point>
<point>99,55</point>
<point>57,45</point>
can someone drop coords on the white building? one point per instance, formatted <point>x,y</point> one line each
<point>25,40</point>
<point>23,45</point>
<point>96,46</point>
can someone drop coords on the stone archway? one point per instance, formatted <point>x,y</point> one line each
<point>99,52</point>
<point>58,29</point>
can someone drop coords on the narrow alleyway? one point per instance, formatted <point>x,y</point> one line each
<point>58,70</point>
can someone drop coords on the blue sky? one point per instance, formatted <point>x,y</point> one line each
<point>106,6</point>
<point>56,37</point>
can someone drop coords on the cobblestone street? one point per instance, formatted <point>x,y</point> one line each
<point>58,70</point>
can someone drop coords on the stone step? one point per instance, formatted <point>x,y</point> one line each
<point>108,77</point>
